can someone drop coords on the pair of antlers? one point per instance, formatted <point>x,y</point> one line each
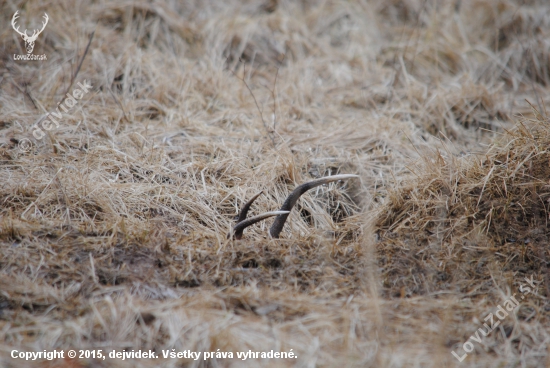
<point>282,214</point>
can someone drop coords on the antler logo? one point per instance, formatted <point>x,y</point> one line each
<point>29,40</point>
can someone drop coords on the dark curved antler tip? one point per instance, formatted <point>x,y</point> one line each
<point>293,197</point>
<point>244,211</point>
<point>238,229</point>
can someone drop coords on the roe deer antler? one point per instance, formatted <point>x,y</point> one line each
<point>246,207</point>
<point>239,228</point>
<point>243,223</point>
<point>291,200</point>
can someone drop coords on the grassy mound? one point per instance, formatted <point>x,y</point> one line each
<point>468,220</point>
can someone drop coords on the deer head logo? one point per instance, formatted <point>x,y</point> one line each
<point>29,40</point>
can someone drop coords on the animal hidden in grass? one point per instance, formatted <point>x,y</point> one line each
<point>282,214</point>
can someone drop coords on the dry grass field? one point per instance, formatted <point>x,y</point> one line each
<point>114,220</point>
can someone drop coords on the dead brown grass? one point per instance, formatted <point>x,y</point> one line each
<point>113,226</point>
<point>466,220</point>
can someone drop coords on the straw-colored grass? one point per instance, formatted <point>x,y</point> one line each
<point>113,226</point>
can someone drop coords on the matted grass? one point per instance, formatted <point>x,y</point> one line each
<point>113,226</point>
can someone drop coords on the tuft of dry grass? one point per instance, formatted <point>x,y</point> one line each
<point>466,221</point>
<point>113,227</point>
